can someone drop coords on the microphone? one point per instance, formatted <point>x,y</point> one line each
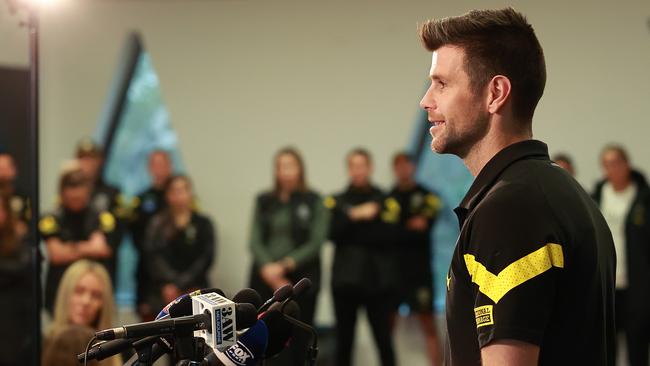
<point>198,321</point>
<point>248,351</point>
<point>298,289</point>
<point>279,295</point>
<point>156,328</point>
<point>181,306</point>
<point>279,332</point>
<point>249,296</point>
<point>225,318</point>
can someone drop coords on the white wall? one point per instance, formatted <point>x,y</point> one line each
<point>243,77</point>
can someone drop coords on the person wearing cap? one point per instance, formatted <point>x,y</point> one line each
<point>76,230</point>
<point>105,197</point>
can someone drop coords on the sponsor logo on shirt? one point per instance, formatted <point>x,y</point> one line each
<point>483,316</point>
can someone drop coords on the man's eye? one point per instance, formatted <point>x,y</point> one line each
<point>441,85</point>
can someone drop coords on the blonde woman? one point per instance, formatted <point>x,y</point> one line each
<point>84,298</point>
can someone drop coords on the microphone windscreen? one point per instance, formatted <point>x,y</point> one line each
<point>292,309</point>
<point>279,332</point>
<point>301,287</point>
<point>182,307</point>
<point>248,296</point>
<point>249,349</point>
<point>283,293</point>
<point>246,315</point>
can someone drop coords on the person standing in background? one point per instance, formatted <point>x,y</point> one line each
<point>146,205</point>
<point>565,162</point>
<point>18,201</point>
<point>413,247</point>
<point>624,199</point>
<point>75,231</point>
<point>17,307</point>
<point>179,246</point>
<point>364,221</point>
<point>290,225</point>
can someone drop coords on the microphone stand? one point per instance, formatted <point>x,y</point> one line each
<point>312,354</point>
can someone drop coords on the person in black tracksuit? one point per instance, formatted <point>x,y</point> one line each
<point>419,210</point>
<point>363,227</point>
<point>632,239</point>
<point>290,225</point>
<point>145,206</point>
<point>180,245</point>
<point>75,230</point>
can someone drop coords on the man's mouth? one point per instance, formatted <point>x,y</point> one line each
<point>437,123</point>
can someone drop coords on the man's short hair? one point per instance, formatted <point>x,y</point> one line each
<point>563,157</point>
<point>72,179</point>
<point>403,155</point>
<point>360,151</point>
<point>495,42</point>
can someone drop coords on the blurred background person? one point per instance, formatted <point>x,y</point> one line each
<point>74,231</point>
<point>624,198</point>
<point>105,197</point>
<point>419,209</point>
<point>565,162</point>
<point>146,205</point>
<point>66,343</point>
<point>84,298</point>
<point>180,245</point>
<point>364,269</point>
<point>17,307</point>
<point>289,227</point>
<point>18,201</point>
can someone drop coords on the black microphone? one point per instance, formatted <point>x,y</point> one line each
<point>181,306</point>
<point>249,296</point>
<point>245,313</point>
<point>279,332</point>
<point>279,295</point>
<point>299,288</point>
<point>156,328</point>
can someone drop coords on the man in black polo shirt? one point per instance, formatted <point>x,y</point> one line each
<point>532,277</point>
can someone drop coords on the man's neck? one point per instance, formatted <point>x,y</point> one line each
<point>483,151</point>
<point>405,185</point>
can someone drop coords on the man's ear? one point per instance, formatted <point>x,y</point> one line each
<point>498,93</point>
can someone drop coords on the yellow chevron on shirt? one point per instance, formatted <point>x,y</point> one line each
<point>516,273</point>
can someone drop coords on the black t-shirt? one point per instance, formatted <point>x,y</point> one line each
<point>363,259</point>
<point>418,201</point>
<point>71,228</point>
<point>534,262</point>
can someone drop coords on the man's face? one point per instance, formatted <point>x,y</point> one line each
<point>75,199</point>
<point>90,165</point>
<point>403,170</point>
<point>160,168</point>
<point>617,170</point>
<point>459,116</point>
<point>7,169</point>
<point>359,170</point>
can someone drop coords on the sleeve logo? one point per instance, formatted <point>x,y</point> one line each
<point>483,316</point>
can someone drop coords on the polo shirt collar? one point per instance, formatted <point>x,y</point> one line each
<point>528,149</point>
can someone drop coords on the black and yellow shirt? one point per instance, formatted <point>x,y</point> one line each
<point>534,262</point>
<point>71,228</point>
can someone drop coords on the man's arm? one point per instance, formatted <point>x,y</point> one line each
<point>508,352</point>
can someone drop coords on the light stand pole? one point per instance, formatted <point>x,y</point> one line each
<point>32,25</point>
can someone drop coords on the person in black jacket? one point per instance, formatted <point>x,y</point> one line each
<point>16,286</point>
<point>419,210</point>
<point>289,227</point>
<point>624,199</point>
<point>363,227</point>
<point>75,230</point>
<point>179,246</point>
<point>146,206</point>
